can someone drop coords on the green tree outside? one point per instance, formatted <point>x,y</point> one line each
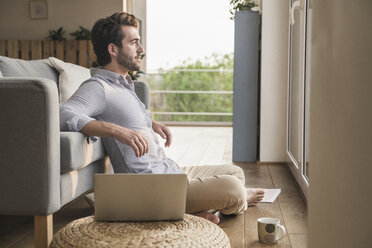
<point>177,79</point>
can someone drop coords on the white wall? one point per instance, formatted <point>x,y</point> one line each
<point>274,68</point>
<point>340,199</point>
<point>15,22</point>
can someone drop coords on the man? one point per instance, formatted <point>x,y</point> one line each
<point>106,106</point>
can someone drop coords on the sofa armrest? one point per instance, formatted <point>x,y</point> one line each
<point>29,146</point>
<point>143,92</point>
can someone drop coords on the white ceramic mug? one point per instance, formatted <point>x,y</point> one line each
<point>270,230</point>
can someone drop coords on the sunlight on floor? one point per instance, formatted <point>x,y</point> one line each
<point>199,145</point>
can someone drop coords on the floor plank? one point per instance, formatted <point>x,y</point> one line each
<point>14,228</point>
<point>25,242</point>
<point>294,213</point>
<point>234,228</point>
<point>298,240</point>
<point>256,176</point>
<point>284,180</point>
<point>291,202</point>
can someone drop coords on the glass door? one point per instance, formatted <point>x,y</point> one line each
<point>306,165</point>
<point>297,119</point>
<point>296,84</point>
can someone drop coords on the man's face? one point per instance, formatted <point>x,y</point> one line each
<point>129,56</point>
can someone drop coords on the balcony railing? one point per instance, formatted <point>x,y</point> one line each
<point>192,96</point>
<point>181,96</point>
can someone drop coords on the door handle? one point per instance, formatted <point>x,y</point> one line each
<point>299,4</point>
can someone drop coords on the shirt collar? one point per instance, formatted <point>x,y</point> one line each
<point>112,77</point>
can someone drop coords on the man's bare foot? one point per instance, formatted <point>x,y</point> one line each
<point>254,196</point>
<point>208,216</point>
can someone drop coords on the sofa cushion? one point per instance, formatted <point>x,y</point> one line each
<point>70,77</point>
<point>78,152</point>
<point>22,68</point>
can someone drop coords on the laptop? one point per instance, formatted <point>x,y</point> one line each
<point>140,197</point>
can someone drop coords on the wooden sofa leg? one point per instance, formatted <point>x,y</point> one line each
<point>43,231</point>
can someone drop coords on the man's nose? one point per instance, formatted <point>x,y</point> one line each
<point>140,49</point>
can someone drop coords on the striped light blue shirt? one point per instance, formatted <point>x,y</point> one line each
<point>108,96</point>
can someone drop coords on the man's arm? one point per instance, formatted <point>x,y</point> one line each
<point>163,131</point>
<point>127,136</point>
<point>89,101</point>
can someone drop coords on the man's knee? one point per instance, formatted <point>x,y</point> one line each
<point>235,195</point>
<point>237,172</point>
<point>233,186</point>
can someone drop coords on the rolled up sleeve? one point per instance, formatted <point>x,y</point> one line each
<point>83,107</point>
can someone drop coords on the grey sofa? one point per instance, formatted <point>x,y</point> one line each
<point>41,168</point>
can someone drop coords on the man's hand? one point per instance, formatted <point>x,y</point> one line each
<point>163,131</point>
<point>127,136</point>
<point>133,139</point>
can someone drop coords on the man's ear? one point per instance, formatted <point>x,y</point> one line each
<point>111,48</point>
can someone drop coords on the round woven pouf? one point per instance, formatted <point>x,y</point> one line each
<point>193,231</point>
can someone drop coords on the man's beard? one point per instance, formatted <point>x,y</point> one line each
<point>128,62</point>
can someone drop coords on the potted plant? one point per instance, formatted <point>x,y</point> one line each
<point>56,34</point>
<point>237,5</point>
<point>81,34</point>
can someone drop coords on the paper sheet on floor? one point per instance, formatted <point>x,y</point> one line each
<point>271,195</point>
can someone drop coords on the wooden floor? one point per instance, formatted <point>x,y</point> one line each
<point>201,146</point>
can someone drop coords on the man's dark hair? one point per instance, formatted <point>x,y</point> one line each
<point>107,30</point>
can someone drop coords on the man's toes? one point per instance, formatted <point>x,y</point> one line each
<point>260,191</point>
<point>257,199</point>
<point>209,216</point>
<point>214,219</point>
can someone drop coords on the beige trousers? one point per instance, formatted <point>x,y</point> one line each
<point>216,187</point>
